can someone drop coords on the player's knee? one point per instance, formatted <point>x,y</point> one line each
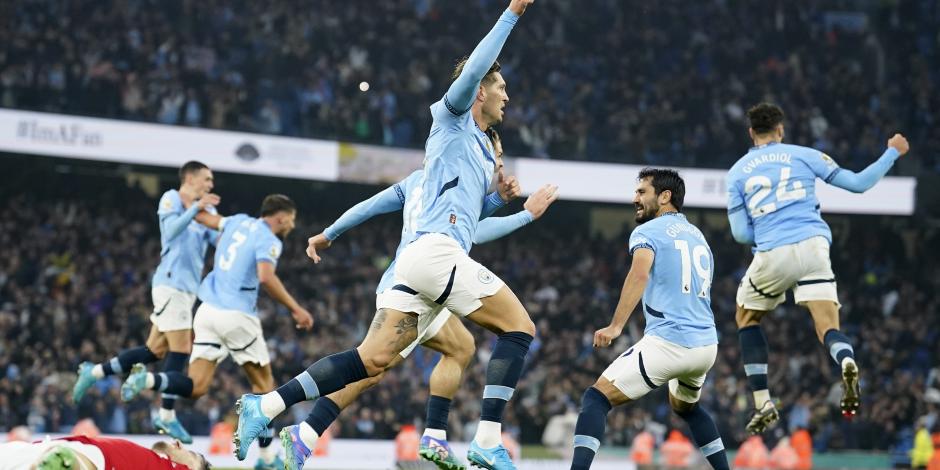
<point>680,407</point>
<point>200,389</point>
<point>464,348</point>
<point>525,325</point>
<point>158,348</point>
<point>377,363</point>
<point>744,317</point>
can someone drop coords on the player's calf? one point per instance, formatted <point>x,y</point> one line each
<point>704,432</point>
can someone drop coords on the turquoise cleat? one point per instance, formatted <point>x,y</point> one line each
<point>439,453</point>
<point>496,458</point>
<point>173,429</point>
<point>84,382</point>
<point>251,423</point>
<point>294,448</point>
<point>277,464</point>
<point>135,382</point>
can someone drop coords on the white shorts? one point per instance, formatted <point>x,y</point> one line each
<point>803,267</point>
<point>429,324</point>
<point>26,454</point>
<point>172,309</point>
<point>653,361</point>
<point>434,271</point>
<point>222,332</point>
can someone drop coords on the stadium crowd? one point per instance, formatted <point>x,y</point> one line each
<point>664,83</point>
<point>76,258</point>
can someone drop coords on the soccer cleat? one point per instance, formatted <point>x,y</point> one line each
<point>295,451</point>
<point>496,458</point>
<point>173,429</point>
<point>59,458</point>
<point>251,423</point>
<point>135,382</point>
<point>84,382</point>
<point>277,464</point>
<point>850,390</point>
<point>764,418</point>
<point>439,452</point>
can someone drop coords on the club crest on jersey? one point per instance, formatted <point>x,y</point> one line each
<point>485,276</point>
<point>274,251</point>
<point>826,158</point>
<point>453,219</point>
<point>167,204</point>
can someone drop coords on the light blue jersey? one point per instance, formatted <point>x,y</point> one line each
<point>774,185</point>
<point>404,196</point>
<point>183,243</point>
<point>677,299</point>
<point>459,160</point>
<point>233,282</point>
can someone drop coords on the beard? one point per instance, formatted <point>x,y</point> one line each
<point>646,214</point>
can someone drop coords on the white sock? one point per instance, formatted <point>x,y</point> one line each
<point>272,405</point>
<point>761,397</point>
<point>489,434</point>
<point>308,435</point>
<point>438,434</point>
<point>148,384</point>
<point>98,371</point>
<point>269,453</point>
<point>846,360</point>
<point>167,415</point>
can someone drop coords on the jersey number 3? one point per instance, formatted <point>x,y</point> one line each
<point>763,186</point>
<point>228,259</point>
<point>698,258</point>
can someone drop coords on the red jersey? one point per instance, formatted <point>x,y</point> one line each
<point>120,454</point>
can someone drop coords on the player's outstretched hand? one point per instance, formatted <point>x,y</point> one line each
<point>303,318</point>
<point>606,335</point>
<point>537,203</point>
<point>518,6</point>
<point>210,199</point>
<point>317,242</point>
<point>508,187</point>
<point>899,142</point>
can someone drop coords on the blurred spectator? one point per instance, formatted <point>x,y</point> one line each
<point>614,80</point>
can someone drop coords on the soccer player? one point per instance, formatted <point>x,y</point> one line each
<point>435,269</point>
<point>446,334</point>
<point>183,244</point>
<point>98,453</point>
<point>772,205</point>
<point>227,321</point>
<point>671,272</point>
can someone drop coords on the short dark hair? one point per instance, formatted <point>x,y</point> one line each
<point>190,167</point>
<point>662,179</point>
<point>274,203</point>
<point>764,117</point>
<point>492,134</point>
<point>487,79</point>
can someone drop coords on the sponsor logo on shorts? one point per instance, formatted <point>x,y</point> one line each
<point>485,276</point>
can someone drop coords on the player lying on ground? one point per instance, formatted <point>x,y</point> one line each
<point>98,453</point>
<point>434,269</point>
<point>446,334</point>
<point>671,272</point>
<point>772,205</point>
<point>227,321</point>
<point>183,243</point>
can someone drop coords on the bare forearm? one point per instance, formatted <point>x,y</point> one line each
<point>630,296</point>
<point>275,288</point>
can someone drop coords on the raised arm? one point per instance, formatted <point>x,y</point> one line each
<point>867,178</point>
<point>463,91</point>
<point>535,205</point>
<point>390,199</point>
